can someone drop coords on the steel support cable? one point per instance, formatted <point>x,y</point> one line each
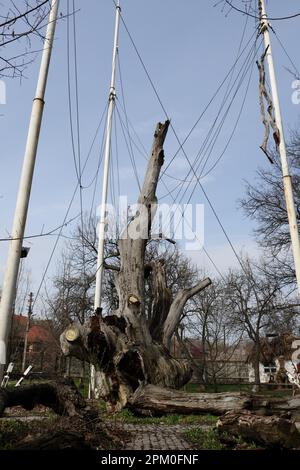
<point>184,152</point>
<point>249,64</point>
<point>126,115</point>
<point>159,99</point>
<point>102,148</point>
<point>217,132</point>
<point>69,93</point>
<point>244,12</point>
<point>60,231</point>
<point>227,93</point>
<point>132,159</point>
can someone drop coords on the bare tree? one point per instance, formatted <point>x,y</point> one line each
<point>264,202</point>
<point>257,303</point>
<point>209,319</point>
<point>21,29</point>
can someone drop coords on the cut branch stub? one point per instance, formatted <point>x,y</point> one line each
<point>72,333</point>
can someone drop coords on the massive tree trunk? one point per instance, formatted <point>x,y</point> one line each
<point>127,348</point>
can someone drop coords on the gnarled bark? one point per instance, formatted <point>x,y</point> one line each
<point>61,396</point>
<point>269,431</point>
<point>157,401</point>
<point>128,349</point>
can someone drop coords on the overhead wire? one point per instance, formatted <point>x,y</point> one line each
<point>69,92</point>
<point>41,235</point>
<point>244,70</point>
<point>131,156</point>
<point>244,12</point>
<point>59,235</point>
<point>182,148</point>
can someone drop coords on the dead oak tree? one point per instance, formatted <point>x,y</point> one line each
<point>126,349</point>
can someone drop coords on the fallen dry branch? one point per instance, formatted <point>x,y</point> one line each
<point>268,431</point>
<point>155,400</point>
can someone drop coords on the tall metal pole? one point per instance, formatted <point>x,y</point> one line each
<point>287,181</point>
<point>112,98</point>
<point>29,314</point>
<point>15,247</point>
<point>100,257</point>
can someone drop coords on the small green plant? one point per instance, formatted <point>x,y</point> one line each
<point>11,432</point>
<point>205,439</point>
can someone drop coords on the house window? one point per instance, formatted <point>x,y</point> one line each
<point>270,368</point>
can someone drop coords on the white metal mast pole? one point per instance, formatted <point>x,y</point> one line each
<point>287,181</point>
<point>15,247</point>
<point>102,222</point>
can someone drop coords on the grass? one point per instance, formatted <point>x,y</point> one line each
<point>204,439</point>
<point>11,432</point>
<point>127,417</point>
<point>265,389</point>
<point>210,440</point>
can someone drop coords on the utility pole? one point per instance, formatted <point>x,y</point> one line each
<point>112,98</point>
<point>29,314</point>
<point>287,181</point>
<point>102,221</point>
<point>15,247</point>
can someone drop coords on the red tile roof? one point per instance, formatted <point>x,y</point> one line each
<point>36,334</point>
<point>39,334</point>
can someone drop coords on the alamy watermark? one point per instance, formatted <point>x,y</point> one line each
<point>171,222</point>
<point>2,92</point>
<point>296,93</point>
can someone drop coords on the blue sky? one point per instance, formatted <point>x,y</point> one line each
<point>188,47</point>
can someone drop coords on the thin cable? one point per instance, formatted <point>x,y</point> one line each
<point>158,97</point>
<point>247,64</point>
<point>98,169</point>
<point>287,54</point>
<point>278,18</point>
<point>181,147</point>
<point>213,263</point>
<point>126,116</point>
<point>142,150</point>
<point>92,146</point>
<point>132,159</point>
<point>69,93</point>
<point>229,140</point>
<point>60,232</point>
<point>41,235</point>
<point>78,135</point>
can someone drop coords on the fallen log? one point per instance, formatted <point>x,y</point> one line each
<point>155,400</point>
<point>269,431</point>
<point>261,404</point>
<point>61,396</point>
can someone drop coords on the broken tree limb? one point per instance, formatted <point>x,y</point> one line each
<point>177,307</point>
<point>155,400</point>
<point>61,396</point>
<point>269,431</point>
